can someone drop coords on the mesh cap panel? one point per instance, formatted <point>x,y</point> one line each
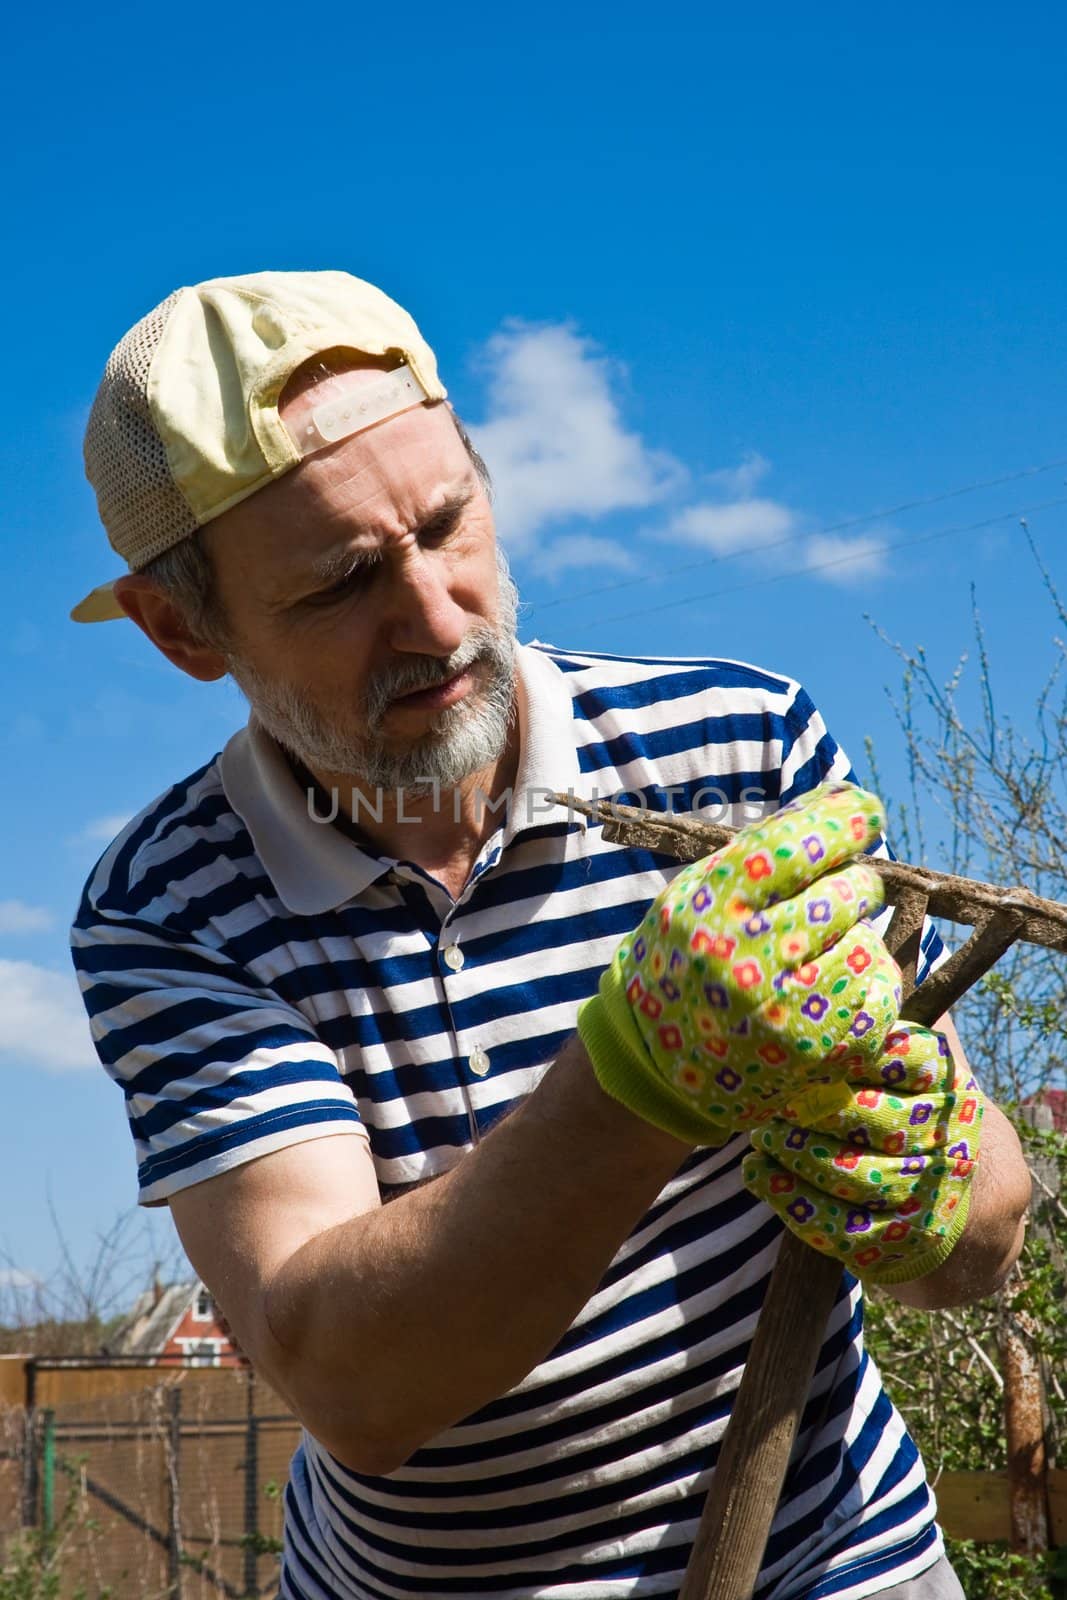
<point>140,505</point>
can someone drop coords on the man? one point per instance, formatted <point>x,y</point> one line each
<point>327,964</point>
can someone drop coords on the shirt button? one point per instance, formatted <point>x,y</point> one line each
<point>453,957</point>
<point>479,1061</point>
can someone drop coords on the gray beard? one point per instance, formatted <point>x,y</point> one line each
<point>462,739</point>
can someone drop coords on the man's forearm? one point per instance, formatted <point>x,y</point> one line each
<point>993,1237</point>
<point>396,1324</point>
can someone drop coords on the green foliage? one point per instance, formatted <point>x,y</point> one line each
<point>264,1544</point>
<point>989,800</point>
<point>35,1562</point>
<point>991,1572</point>
<point>942,1370</point>
<point>1043,1016</point>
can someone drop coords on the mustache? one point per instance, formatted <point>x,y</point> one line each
<point>426,672</point>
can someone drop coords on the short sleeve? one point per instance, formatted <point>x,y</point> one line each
<point>217,1070</point>
<point>810,753</point>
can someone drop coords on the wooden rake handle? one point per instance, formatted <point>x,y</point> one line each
<point>754,1455</point>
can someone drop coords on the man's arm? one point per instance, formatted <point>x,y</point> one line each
<point>996,1222</point>
<point>383,1325</point>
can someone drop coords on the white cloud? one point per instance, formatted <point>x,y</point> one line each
<point>15,1278</point>
<point>17,917</point>
<point>741,480</point>
<point>733,526</point>
<point>745,524</point>
<point>582,550</point>
<point>553,438</point>
<point>557,448</point>
<point>846,561</point>
<point>101,830</point>
<point>42,1019</point>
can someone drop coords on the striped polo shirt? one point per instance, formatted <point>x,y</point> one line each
<point>257,976</point>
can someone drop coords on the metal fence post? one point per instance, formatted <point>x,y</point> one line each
<point>173,1448</point>
<point>48,1471</point>
<point>29,1449</point>
<point>251,1561</point>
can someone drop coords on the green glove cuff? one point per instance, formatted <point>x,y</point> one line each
<point>624,1068</point>
<point>941,1248</point>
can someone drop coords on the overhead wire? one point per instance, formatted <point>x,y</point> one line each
<point>836,561</point>
<point>815,533</point>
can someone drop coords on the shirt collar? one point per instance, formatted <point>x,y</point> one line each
<point>548,755</point>
<point>314,867</point>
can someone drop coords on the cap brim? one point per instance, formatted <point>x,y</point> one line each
<point>99,605</point>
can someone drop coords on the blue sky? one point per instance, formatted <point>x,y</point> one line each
<point>704,290</point>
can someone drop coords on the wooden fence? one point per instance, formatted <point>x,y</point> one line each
<point>174,1477</point>
<point>182,1470</point>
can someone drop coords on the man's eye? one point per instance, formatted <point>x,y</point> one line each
<point>437,532</point>
<point>351,580</point>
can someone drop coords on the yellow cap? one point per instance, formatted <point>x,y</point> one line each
<point>185,422</point>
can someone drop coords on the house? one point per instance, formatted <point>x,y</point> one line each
<point>176,1323</point>
<point>1056,1101</point>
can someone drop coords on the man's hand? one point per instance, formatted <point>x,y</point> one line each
<point>884,1181</point>
<point>996,1220</point>
<point>753,977</point>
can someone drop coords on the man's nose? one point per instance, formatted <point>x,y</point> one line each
<point>423,617</point>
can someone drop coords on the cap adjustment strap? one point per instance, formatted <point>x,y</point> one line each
<point>351,412</point>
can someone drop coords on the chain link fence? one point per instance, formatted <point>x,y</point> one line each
<point>165,1486</point>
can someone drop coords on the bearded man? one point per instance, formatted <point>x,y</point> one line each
<point>505,1275</point>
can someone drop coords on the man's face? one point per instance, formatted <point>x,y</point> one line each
<point>371,622</point>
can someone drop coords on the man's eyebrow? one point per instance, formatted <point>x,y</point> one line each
<point>337,564</point>
<point>340,563</point>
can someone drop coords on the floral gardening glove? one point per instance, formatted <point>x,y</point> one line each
<point>751,978</point>
<point>883,1181</point>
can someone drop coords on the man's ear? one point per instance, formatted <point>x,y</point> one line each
<point>161,621</point>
